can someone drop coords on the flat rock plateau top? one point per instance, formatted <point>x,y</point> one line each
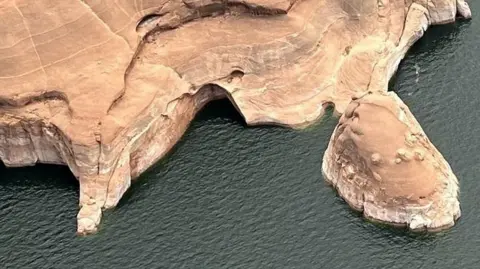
<point>108,87</point>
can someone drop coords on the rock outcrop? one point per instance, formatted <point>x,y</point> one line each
<point>108,87</point>
<point>382,163</point>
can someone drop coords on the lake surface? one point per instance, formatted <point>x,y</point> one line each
<point>229,196</point>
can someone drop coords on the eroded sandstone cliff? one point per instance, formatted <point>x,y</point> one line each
<point>108,87</point>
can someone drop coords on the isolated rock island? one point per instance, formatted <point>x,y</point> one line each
<point>109,87</point>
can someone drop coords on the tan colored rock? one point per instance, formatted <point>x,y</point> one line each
<point>420,192</point>
<point>108,87</point>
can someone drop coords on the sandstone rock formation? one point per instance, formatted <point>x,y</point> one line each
<point>108,87</point>
<point>382,163</point>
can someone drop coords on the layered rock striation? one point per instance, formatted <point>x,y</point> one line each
<point>108,87</point>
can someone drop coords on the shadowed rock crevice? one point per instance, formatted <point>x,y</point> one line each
<point>25,101</point>
<point>190,10</point>
<point>148,22</point>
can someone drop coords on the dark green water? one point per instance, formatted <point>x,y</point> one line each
<point>235,197</point>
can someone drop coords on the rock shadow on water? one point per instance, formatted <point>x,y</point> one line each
<point>40,175</point>
<point>218,112</point>
<point>35,201</point>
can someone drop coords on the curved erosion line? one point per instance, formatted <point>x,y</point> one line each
<point>54,95</point>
